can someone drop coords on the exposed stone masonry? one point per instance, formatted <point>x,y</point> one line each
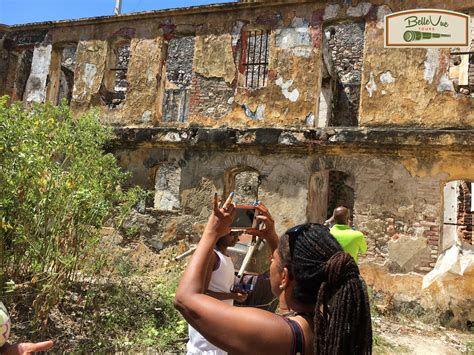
<point>210,97</point>
<point>246,187</point>
<point>167,182</point>
<point>66,81</point>
<point>23,71</point>
<point>465,215</point>
<point>179,63</point>
<point>346,46</point>
<point>123,58</point>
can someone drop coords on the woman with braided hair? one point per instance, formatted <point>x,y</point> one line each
<point>319,285</point>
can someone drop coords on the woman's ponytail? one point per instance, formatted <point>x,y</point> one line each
<point>342,313</point>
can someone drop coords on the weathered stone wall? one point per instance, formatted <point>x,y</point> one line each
<point>410,86</point>
<point>465,213</point>
<point>398,206</point>
<point>179,73</point>
<point>346,46</point>
<point>398,87</point>
<point>397,191</point>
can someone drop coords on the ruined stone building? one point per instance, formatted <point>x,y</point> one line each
<point>296,104</point>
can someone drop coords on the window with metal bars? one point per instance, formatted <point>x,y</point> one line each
<point>255,58</point>
<point>467,85</point>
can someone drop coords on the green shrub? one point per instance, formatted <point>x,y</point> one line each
<point>57,187</point>
<point>134,315</point>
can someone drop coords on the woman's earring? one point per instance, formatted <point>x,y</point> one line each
<point>281,287</point>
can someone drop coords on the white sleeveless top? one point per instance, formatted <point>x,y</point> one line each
<point>222,280</point>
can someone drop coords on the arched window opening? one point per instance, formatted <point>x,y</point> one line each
<point>167,183</point>
<point>245,182</point>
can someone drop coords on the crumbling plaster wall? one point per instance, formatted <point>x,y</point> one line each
<point>400,210</point>
<point>144,72</point>
<point>409,87</point>
<point>289,96</point>
<point>398,205</point>
<point>16,54</point>
<point>400,87</point>
<point>450,298</point>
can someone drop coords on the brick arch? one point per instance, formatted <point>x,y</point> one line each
<point>230,177</point>
<point>249,161</point>
<point>344,164</point>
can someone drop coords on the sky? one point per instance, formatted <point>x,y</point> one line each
<point>14,12</point>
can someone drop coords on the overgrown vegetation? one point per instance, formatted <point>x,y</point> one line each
<point>134,316</point>
<point>60,276</point>
<point>57,188</point>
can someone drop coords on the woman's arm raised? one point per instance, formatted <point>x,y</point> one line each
<point>234,329</point>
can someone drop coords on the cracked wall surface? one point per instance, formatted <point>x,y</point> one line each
<point>179,74</point>
<point>397,87</point>
<point>294,70</point>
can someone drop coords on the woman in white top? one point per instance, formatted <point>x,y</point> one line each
<point>219,280</point>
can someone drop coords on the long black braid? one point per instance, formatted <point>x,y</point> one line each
<point>329,278</point>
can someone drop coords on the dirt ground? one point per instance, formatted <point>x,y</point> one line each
<point>393,333</point>
<point>403,336</point>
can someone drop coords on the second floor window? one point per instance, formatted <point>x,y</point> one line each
<point>255,58</point>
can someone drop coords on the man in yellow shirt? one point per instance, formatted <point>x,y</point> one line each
<point>352,241</point>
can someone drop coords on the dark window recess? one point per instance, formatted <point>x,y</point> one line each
<point>343,48</point>
<point>123,57</point>
<point>66,78</point>
<point>256,59</point>
<point>23,72</point>
<point>114,91</point>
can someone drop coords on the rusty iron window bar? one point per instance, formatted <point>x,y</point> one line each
<point>256,64</point>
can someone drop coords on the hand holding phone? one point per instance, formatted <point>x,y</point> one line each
<point>245,217</point>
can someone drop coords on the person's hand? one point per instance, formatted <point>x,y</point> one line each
<point>221,218</point>
<point>240,296</point>
<point>268,231</point>
<point>329,222</point>
<point>26,348</point>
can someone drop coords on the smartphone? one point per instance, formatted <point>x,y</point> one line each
<point>243,288</point>
<point>245,217</point>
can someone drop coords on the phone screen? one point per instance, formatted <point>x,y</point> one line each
<point>244,218</point>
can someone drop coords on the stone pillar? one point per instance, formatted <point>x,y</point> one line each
<point>36,86</point>
<point>450,214</point>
